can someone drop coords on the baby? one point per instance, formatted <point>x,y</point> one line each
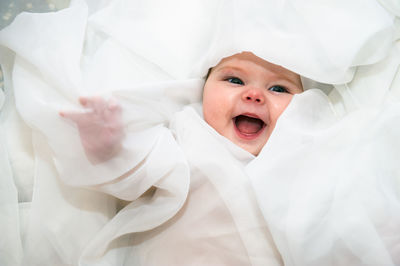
<point>218,222</point>
<point>243,98</point>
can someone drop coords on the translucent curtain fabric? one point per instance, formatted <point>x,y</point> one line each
<point>329,167</point>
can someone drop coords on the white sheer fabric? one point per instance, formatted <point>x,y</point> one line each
<point>323,191</point>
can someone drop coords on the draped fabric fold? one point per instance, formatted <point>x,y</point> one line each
<point>331,196</point>
<point>323,191</point>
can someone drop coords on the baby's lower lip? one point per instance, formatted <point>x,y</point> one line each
<point>248,136</point>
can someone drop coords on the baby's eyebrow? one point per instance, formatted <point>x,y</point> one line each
<point>230,68</point>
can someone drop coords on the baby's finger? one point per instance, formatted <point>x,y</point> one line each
<point>75,116</point>
<point>99,104</point>
<point>113,105</point>
<point>83,101</point>
<point>89,102</point>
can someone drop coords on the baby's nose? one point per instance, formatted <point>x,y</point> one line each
<point>253,95</point>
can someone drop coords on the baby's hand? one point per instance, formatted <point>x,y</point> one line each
<point>100,127</point>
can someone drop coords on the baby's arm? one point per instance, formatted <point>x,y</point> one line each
<point>100,127</point>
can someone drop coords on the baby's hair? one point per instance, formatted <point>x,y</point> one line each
<point>208,73</point>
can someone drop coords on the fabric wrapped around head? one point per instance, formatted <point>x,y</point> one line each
<point>152,56</point>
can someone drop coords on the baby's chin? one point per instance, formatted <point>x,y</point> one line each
<point>249,146</point>
<point>253,150</point>
<point>253,146</point>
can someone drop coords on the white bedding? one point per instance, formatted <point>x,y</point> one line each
<point>327,183</point>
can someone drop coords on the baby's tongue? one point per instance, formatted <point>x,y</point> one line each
<point>248,125</point>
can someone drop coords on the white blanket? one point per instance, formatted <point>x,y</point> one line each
<point>326,183</point>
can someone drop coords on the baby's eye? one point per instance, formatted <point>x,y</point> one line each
<point>278,88</point>
<point>235,80</point>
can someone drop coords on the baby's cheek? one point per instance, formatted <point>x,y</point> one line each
<point>281,104</point>
<point>209,116</point>
<point>212,107</point>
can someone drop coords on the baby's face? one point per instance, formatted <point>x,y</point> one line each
<point>243,97</point>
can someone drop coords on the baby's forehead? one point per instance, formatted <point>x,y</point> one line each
<point>243,61</point>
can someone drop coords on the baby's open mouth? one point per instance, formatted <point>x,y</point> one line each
<point>248,126</point>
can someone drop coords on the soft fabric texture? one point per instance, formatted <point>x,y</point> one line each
<point>323,191</point>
